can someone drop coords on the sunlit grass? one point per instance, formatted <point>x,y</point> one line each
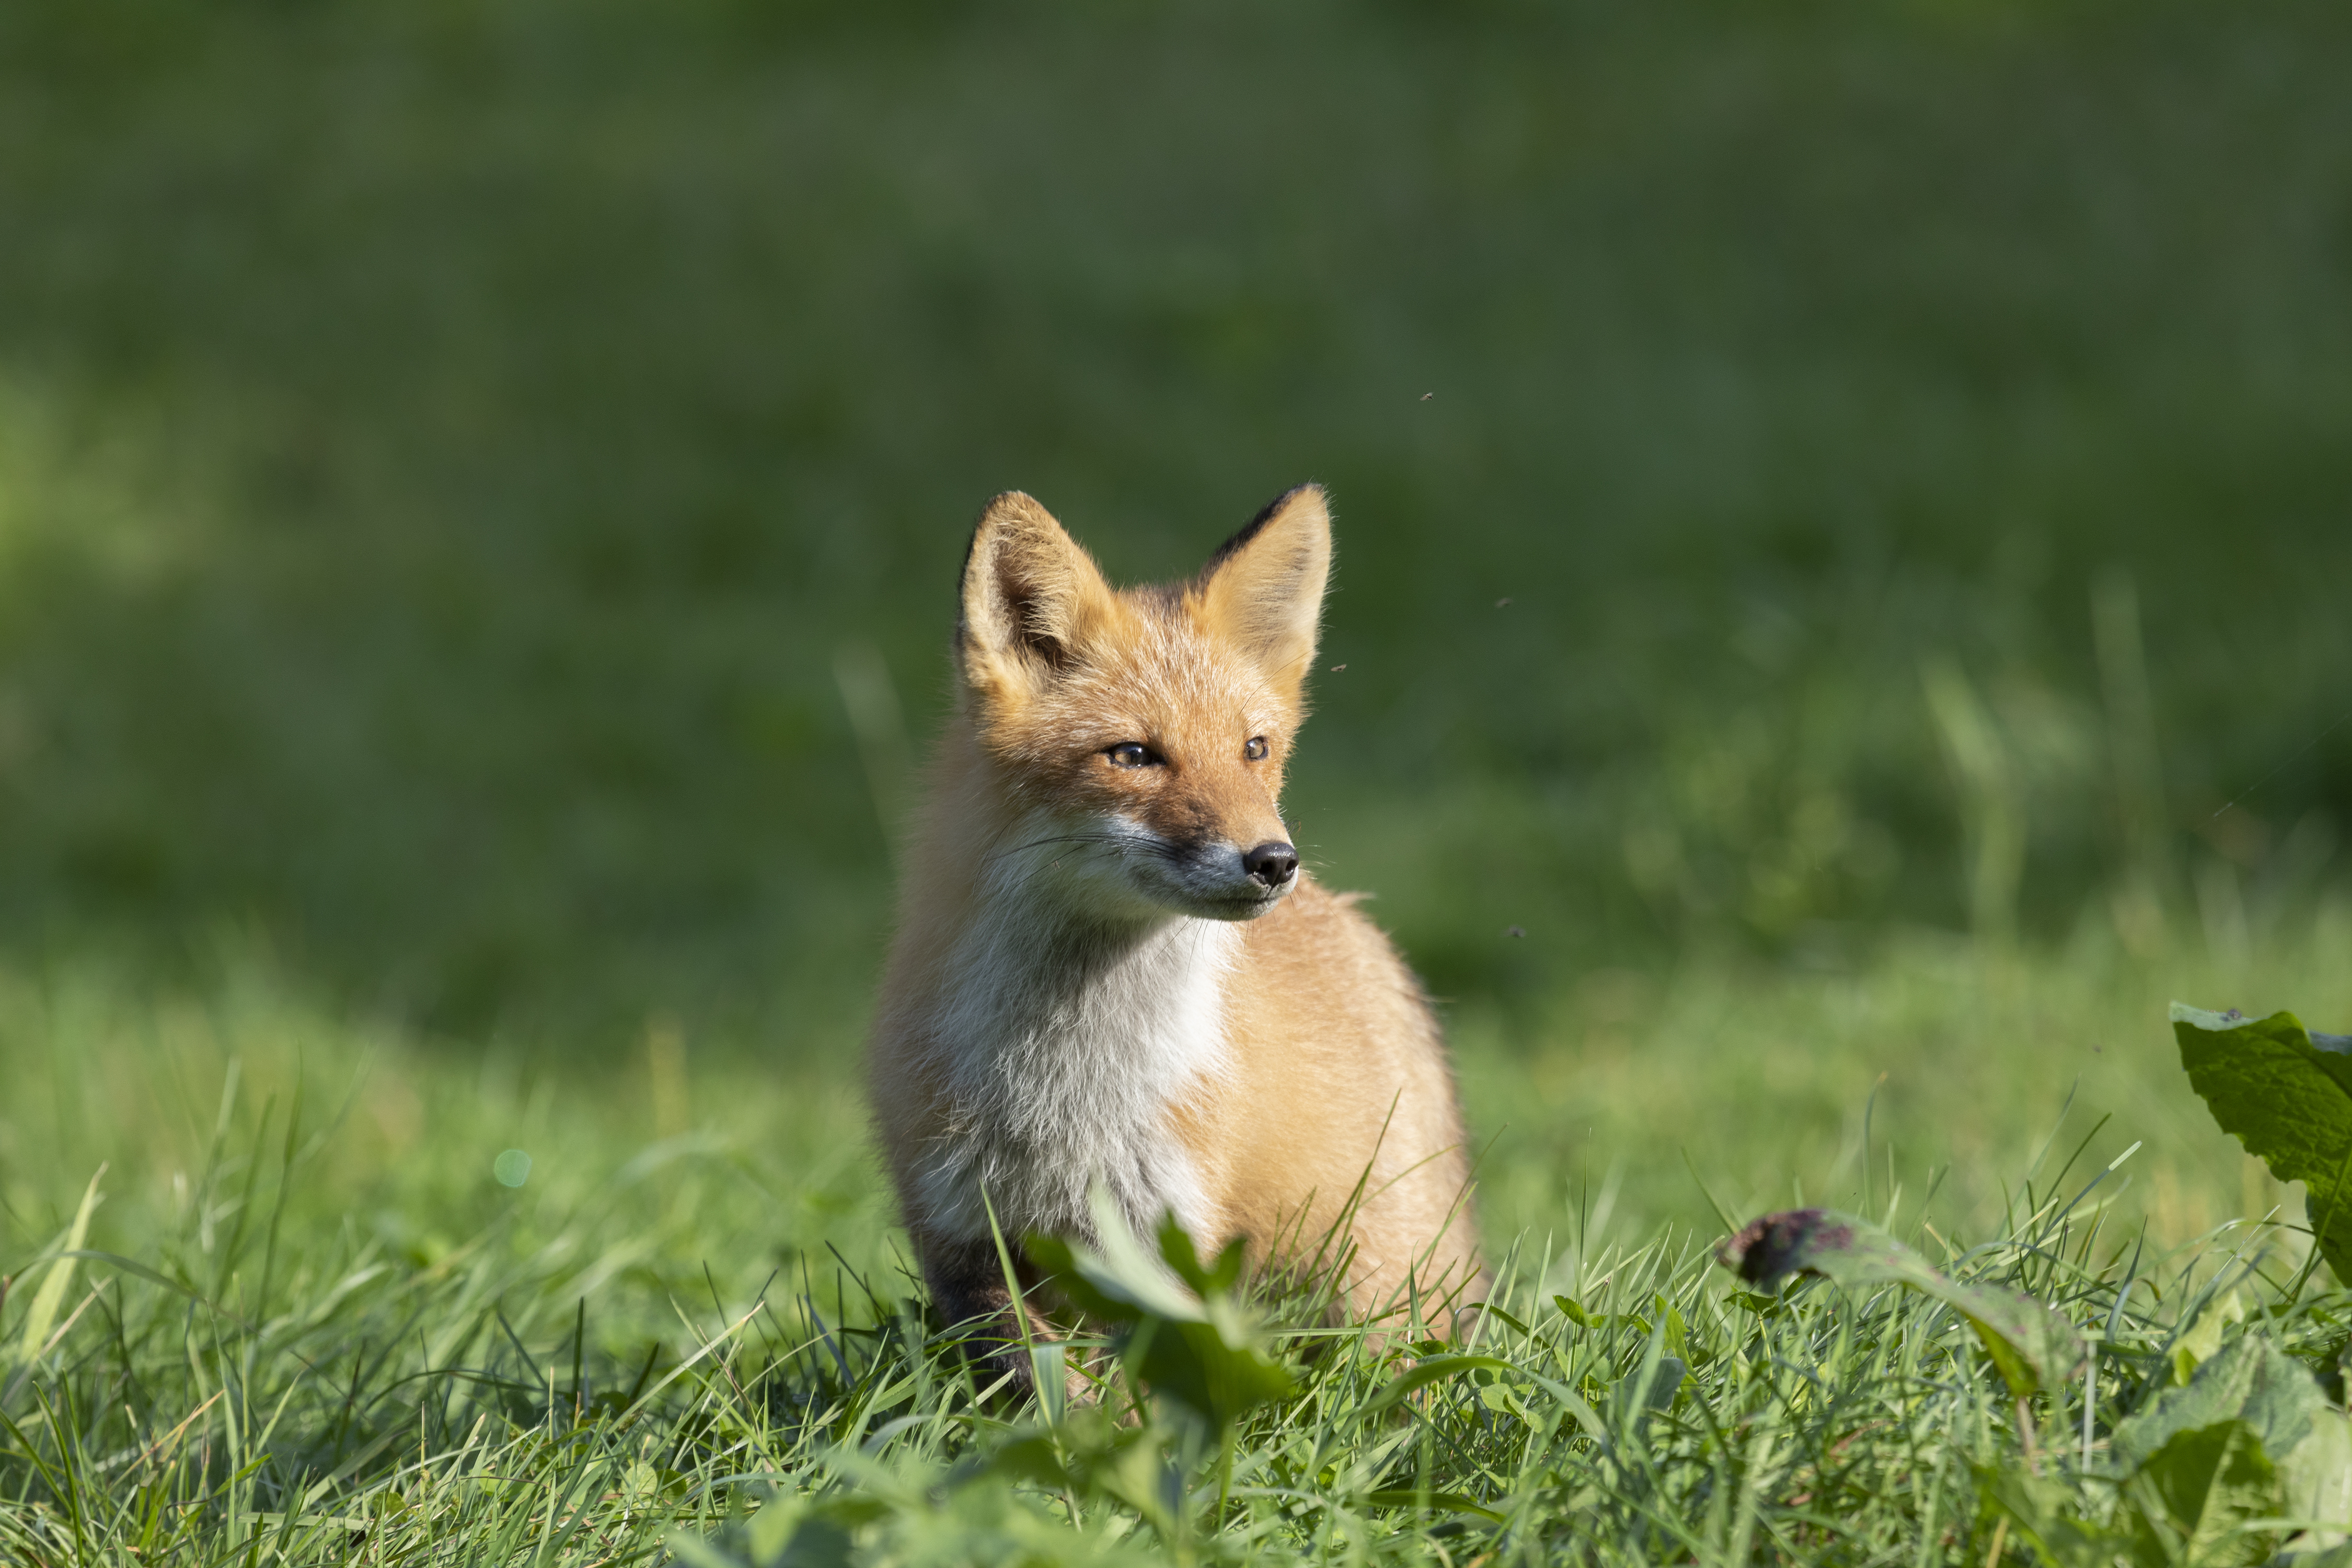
<point>324,1323</point>
<point>1937,1061</point>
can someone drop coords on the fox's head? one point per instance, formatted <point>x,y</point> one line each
<point>1142,734</point>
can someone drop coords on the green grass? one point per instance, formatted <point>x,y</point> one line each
<point>323,1327</point>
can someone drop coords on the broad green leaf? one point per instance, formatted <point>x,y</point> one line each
<point>2251,1381</point>
<point>2306,1439</point>
<point>2317,1475</point>
<point>1116,1280</point>
<point>1200,1351</point>
<point>2032,1346</point>
<point>1176,1250</point>
<point>2286,1094</point>
<point>2193,1494</point>
<point>1193,1364</point>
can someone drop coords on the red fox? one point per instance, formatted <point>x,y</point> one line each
<point>1111,969</point>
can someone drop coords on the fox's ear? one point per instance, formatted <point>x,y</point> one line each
<point>1031,597</point>
<point>1264,588</point>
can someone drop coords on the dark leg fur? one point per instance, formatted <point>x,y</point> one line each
<point>967,1281</point>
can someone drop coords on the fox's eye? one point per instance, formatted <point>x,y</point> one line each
<point>1255,750</point>
<point>1129,754</point>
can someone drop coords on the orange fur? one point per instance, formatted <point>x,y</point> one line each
<point>1091,969</point>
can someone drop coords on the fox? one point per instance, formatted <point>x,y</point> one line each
<point>1112,972</point>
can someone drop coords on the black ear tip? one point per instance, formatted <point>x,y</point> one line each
<point>1274,507</point>
<point>1265,514</point>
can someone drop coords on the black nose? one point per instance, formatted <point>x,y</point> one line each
<point>1271,863</point>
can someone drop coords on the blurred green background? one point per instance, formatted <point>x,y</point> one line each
<point>481,484</point>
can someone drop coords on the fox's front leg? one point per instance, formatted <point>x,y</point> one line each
<point>968,1286</point>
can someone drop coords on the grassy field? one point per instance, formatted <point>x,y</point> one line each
<point>1842,530</point>
<point>325,1313</point>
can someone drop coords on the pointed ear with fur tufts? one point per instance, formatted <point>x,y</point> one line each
<point>1263,590</point>
<point>1031,598</point>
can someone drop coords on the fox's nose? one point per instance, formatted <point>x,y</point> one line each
<point>1271,863</point>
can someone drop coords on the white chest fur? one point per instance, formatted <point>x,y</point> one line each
<point>1067,1044</point>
